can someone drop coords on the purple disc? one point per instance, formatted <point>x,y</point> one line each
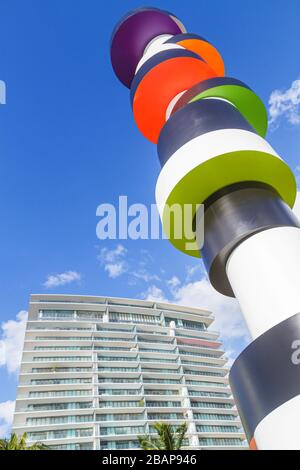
<point>131,36</point>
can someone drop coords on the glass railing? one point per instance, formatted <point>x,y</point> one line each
<point>114,391</point>
<point>206,404</point>
<point>188,353</point>
<point>189,325</point>
<point>161,381</point>
<point>118,445</point>
<point>59,434</point>
<point>214,441</point>
<point>121,404</point>
<point>193,393</point>
<point>74,446</point>
<point>161,371</point>
<point>214,416</point>
<point>120,417</point>
<point>116,339</point>
<point>163,416</point>
<point>121,431</point>
<point>212,428</point>
<point>56,314</point>
<point>58,406</point>
<point>59,420</point>
<point>57,328</point>
<point>155,359</point>
<point>59,393</point>
<point>123,330</point>
<point>206,384</point>
<point>201,372</point>
<point>62,348</point>
<point>161,392</point>
<point>59,381</point>
<point>117,380</point>
<point>117,358</point>
<point>62,338</point>
<point>118,369</point>
<point>163,404</point>
<point>60,369</point>
<point>196,363</point>
<point>61,358</point>
<point>113,348</point>
<point>152,341</point>
<point>162,351</point>
<point>117,317</point>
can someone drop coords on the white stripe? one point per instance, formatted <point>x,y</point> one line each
<point>172,104</point>
<point>264,273</point>
<point>199,150</point>
<point>280,429</point>
<point>155,49</point>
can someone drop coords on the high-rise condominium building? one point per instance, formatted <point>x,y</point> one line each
<point>97,372</point>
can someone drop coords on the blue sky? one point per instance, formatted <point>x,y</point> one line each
<point>68,143</point>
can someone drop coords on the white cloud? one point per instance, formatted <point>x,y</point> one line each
<point>173,282</point>
<point>61,279</point>
<point>6,417</point>
<point>113,261</point>
<point>285,104</point>
<point>155,294</point>
<point>11,342</point>
<point>111,256</point>
<point>144,275</point>
<point>115,269</point>
<point>194,269</point>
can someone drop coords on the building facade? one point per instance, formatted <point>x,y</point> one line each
<point>97,372</point>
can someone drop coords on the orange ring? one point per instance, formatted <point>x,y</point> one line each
<point>208,53</point>
<point>159,86</point>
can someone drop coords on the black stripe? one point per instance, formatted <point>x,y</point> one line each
<point>232,215</point>
<point>184,36</point>
<point>205,85</point>
<point>196,119</point>
<point>155,60</point>
<point>264,377</point>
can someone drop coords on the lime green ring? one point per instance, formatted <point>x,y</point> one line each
<point>223,170</point>
<point>246,101</point>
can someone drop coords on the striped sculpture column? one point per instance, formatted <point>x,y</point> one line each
<point>209,130</point>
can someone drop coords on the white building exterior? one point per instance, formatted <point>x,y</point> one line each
<point>98,371</point>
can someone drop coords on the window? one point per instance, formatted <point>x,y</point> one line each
<point>120,417</point>
<point>60,393</point>
<point>59,381</point>
<point>214,441</point>
<point>61,358</point>
<point>60,434</point>
<point>89,315</point>
<point>132,318</point>
<point>74,446</point>
<point>59,406</point>
<point>59,420</point>
<point>212,428</point>
<point>214,416</point>
<point>161,416</point>
<point>168,404</point>
<point>207,404</point>
<point>191,325</point>
<point>56,314</point>
<point>120,404</point>
<point>121,430</point>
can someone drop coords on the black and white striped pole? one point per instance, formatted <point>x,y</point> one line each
<point>209,130</point>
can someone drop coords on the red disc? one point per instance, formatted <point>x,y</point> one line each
<point>159,86</point>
